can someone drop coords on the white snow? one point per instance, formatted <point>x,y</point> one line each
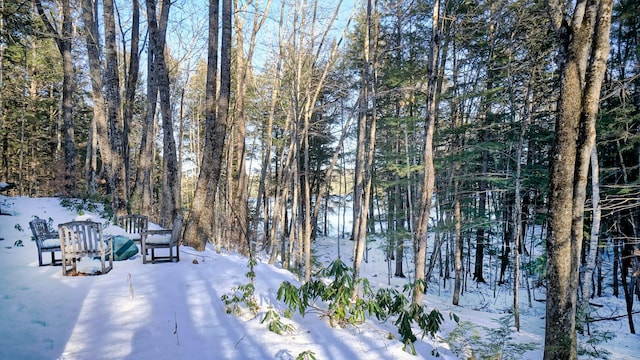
<point>174,310</point>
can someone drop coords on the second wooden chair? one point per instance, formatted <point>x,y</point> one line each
<point>163,239</point>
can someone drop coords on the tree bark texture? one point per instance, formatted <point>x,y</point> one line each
<point>142,197</point>
<point>198,228</point>
<point>584,45</point>
<point>366,145</point>
<point>89,16</point>
<point>63,39</point>
<point>130,89</point>
<point>170,177</point>
<point>429,176</point>
<point>595,229</point>
<point>113,104</point>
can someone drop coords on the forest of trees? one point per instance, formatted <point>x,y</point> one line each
<point>472,136</point>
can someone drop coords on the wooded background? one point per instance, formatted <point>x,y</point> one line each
<point>257,118</point>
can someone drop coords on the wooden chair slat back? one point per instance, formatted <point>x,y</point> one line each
<point>133,224</point>
<point>40,230</point>
<point>81,238</point>
<point>84,238</point>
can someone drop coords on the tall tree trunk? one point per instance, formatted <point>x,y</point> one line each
<point>2,46</point>
<point>398,224</point>
<point>312,91</point>
<point>63,41</point>
<point>114,111</point>
<point>240,199</point>
<point>198,227</point>
<point>478,267</point>
<point>91,159</point>
<point>517,224</point>
<point>170,182</point>
<point>459,241</point>
<point>239,208</point>
<point>366,140</point>
<point>4,167</point>
<point>484,134</point>
<point>595,232</point>
<point>67,100</point>
<point>89,16</point>
<point>584,47</point>
<point>142,197</point>
<point>428,184</point>
<point>130,90</point>
<point>271,242</point>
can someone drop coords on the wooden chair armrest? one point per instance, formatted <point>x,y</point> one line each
<point>54,235</point>
<point>156,232</point>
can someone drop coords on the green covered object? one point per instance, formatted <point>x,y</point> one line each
<point>123,248</point>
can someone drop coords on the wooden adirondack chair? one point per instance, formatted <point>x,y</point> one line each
<point>46,240</point>
<point>134,225</point>
<point>163,239</point>
<point>84,249</point>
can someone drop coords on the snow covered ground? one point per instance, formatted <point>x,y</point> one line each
<point>174,310</point>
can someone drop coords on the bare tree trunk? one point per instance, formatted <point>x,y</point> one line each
<point>91,159</point>
<point>284,168</point>
<point>595,231</point>
<point>517,227</point>
<point>2,46</point>
<point>4,167</point>
<point>478,267</point>
<point>63,41</point>
<point>397,224</point>
<point>158,30</point>
<point>198,227</point>
<point>64,44</point>
<point>272,241</point>
<point>99,121</point>
<point>130,90</point>
<point>478,275</point>
<point>142,197</point>
<point>428,185</point>
<point>366,141</point>
<point>239,201</point>
<point>114,111</point>
<point>582,62</point>
<point>239,215</point>
<point>459,242</point>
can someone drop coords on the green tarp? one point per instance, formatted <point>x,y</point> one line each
<point>123,248</point>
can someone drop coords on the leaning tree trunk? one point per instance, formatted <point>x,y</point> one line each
<point>582,62</point>
<point>367,139</point>
<point>428,185</point>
